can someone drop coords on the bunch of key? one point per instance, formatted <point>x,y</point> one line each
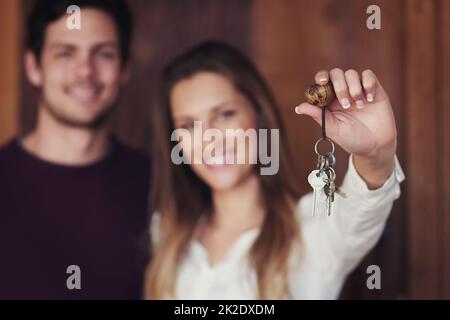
<point>322,180</point>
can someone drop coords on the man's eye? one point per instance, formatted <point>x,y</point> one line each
<point>106,55</point>
<point>64,55</point>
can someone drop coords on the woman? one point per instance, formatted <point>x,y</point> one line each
<point>224,231</point>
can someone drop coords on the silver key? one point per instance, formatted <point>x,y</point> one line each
<point>330,187</point>
<point>330,159</point>
<point>321,163</point>
<point>317,182</point>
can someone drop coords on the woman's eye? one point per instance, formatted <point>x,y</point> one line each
<point>227,114</point>
<point>188,126</point>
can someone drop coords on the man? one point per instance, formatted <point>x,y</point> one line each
<point>73,200</point>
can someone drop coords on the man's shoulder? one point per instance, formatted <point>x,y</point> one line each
<point>134,164</point>
<point>10,156</point>
<point>8,149</point>
<point>132,155</point>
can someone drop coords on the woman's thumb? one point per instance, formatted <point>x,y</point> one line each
<point>310,110</point>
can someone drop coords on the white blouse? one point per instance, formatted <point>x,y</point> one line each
<point>332,246</point>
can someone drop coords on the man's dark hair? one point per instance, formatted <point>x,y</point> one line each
<point>47,11</point>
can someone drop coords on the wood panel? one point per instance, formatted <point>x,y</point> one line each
<point>424,225</point>
<point>9,66</point>
<point>444,141</point>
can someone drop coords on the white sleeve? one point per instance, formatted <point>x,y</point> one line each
<point>337,243</point>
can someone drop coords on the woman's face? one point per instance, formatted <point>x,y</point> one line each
<point>213,100</point>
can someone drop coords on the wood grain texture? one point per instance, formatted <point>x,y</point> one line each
<point>424,225</point>
<point>9,66</point>
<point>444,141</point>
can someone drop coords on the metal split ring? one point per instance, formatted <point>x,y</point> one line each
<point>317,144</point>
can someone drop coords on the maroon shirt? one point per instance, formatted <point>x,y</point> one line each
<point>54,216</point>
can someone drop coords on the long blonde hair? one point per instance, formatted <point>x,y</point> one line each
<point>181,198</point>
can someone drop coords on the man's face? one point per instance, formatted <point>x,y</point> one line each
<point>80,71</point>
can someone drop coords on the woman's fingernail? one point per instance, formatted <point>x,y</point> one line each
<point>360,104</point>
<point>370,97</point>
<point>345,103</point>
<point>297,110</point>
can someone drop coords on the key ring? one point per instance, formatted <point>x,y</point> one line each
<point>326,139</point>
